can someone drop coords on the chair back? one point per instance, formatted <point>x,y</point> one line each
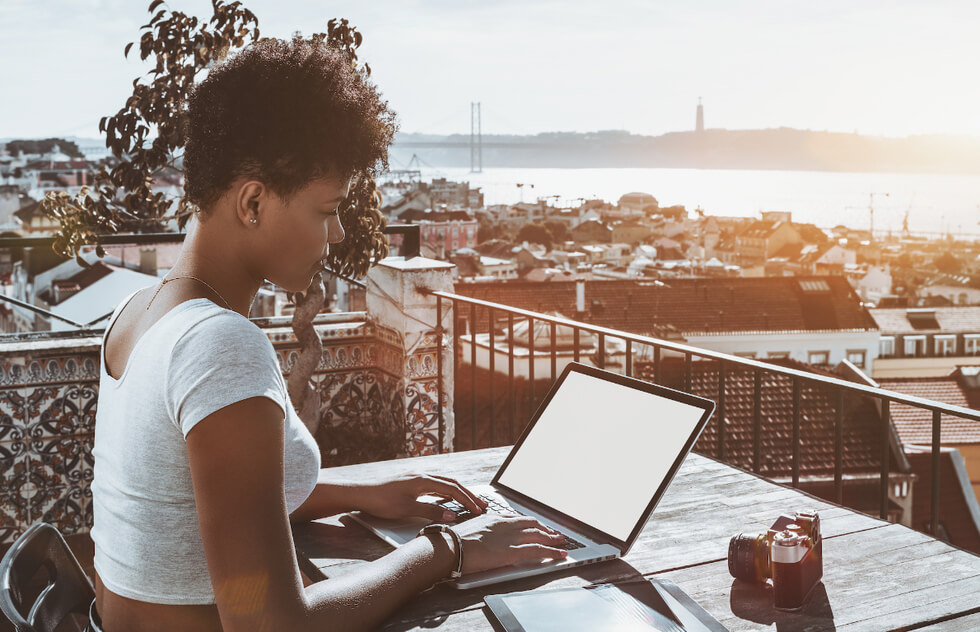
<point>42,584</point>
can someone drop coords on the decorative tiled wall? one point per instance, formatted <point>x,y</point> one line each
<point>47,416</point>
<point>422,398</point>
<point>49,389</point>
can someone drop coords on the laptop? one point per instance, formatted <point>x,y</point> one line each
<point>594,461</point>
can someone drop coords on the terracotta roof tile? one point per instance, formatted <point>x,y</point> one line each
<point>693,306</point>
<point>914,425</point>
<point>894,320</point>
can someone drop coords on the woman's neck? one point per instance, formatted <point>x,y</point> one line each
<point>220,265</point>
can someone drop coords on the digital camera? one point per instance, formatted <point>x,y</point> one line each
<point>790,552</point>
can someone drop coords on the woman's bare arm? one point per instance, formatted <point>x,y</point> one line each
<point>237,467</point>
<point>236,461</point>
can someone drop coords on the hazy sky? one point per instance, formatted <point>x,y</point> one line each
<point>894,68</point>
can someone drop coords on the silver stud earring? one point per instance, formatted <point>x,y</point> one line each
<point>253,220</point>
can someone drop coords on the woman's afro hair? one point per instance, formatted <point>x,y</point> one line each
<point>284,113</point>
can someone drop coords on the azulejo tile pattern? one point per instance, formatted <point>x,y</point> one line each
<point>47,417</point>
<point>422,417</point>
<point>375,404</point>
<point>361,417</point>
<point>25,371</point>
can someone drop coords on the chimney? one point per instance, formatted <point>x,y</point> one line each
<point>580,296</point>
<point>63,290</point>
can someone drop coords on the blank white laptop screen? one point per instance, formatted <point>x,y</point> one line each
<point>600,451</point>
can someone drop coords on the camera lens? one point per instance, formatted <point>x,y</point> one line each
<point>748,558</point>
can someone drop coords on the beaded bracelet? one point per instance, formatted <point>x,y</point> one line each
<point>457,541</point>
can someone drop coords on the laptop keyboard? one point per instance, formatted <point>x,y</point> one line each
<point>493,504</point>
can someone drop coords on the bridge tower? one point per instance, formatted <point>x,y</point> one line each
<point>476,139</point>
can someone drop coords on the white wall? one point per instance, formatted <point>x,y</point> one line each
<point>799,345</point>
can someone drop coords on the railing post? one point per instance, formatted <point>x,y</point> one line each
<point>493,377</point>
<point>473,417</point>
<point>439,372</point>
<point>399,301</point>
<point>656,365</point>
<point>510,376</point>
<point>936,455</point>
<point>602,351</point>
<point>629,358</point>
<point>885,455</point>
<point>757,423</point>
<point>722,431</point>
<point>554,352</point>
<point>839,449</point>
<point>796,432</point>
<point>530,366</point>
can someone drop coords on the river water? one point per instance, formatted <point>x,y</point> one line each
<point>935,203</point>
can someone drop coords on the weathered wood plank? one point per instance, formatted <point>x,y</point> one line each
<point>968,623</point>
<point>688,506</point>
<point>878,576</point>
<point>882,579</point>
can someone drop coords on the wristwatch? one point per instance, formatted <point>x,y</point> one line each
<point>457,541</point>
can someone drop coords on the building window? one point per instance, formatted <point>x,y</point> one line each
<point>818,357</point>
<point>777,355</point>
<point>945,345</point>
<point>971,344</point>
<point>856,357</point>
<point>886,346</point>
<point>915,346</point>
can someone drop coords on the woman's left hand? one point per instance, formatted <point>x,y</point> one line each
<point>399,497</point>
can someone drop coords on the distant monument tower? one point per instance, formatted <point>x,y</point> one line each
<point>700,124</point>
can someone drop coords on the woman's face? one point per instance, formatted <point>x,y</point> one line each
<point>299,233</point>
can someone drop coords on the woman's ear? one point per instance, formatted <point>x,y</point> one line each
<point>248,203</point>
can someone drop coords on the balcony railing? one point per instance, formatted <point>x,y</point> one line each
<point>373,392</point>
<point>480,315</point>
<point>398,348</point>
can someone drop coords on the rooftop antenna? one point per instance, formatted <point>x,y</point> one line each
<point>871,212</point>
<point>905,220</point>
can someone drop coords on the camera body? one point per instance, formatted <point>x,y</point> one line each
<point>790,552</point>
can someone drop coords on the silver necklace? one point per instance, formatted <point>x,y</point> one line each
<point>164,281</point>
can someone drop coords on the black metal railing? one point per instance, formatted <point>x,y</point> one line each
<point>463,305</point>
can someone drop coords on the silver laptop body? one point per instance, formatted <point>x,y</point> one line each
<point>593,463</point>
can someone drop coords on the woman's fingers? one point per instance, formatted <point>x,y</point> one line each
<point>476,498</point>
<point>451,489</point>
<point>531,552</point>
<point>540,536</point>
<point>525,522</point>
<point>432,512</point>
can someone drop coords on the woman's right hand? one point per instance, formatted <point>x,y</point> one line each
<point>494,540</point>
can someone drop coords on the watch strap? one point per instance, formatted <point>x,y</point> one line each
<point>433,529</point>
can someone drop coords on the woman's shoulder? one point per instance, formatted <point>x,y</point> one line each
<point>203,325</point>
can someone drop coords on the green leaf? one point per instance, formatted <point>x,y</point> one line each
<point>126,52</point>
<point>154,5</point>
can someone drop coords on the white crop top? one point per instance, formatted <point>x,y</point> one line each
<point>197,359</point>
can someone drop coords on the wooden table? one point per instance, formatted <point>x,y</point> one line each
<point>877,576</point>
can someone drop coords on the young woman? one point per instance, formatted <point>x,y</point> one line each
<point>200,461</point>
